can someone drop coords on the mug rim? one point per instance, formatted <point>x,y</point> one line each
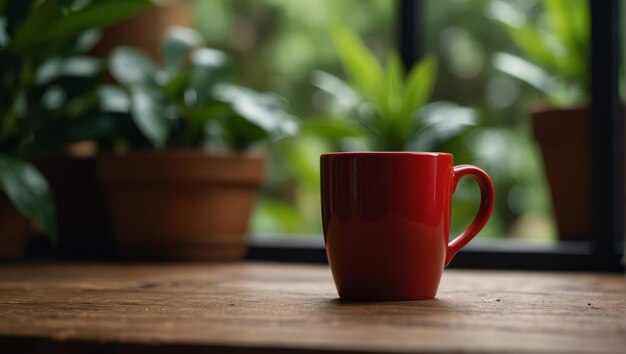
<point>382,153</point>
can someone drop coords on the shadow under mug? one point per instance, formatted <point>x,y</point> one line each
<point>386,218</point>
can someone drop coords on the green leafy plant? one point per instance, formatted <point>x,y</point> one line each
<point>47,83</point>
<point>557,49</point>
<point>377,108</point>
<point>190,101</point>
<point>386,105</point>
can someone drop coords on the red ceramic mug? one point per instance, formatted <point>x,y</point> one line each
<point>386,219</point>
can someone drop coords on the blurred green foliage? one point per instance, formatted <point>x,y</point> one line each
<point>386,105</point>
<point>277,44</point>
<point>188,101</point>
<point>556,48</point>
<point>46,82</point>
<point>467,39</point>
<point>285,46</point>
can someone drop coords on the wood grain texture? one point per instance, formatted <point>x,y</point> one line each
<point>267,308</point>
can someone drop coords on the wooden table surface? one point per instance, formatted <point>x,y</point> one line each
<point>286,308</point>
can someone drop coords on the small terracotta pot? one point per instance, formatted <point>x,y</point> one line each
<point>14,229</point>
<point>565,140</point>
<point>181,205</point>
<point>563,136</point>
<point>82,212</point>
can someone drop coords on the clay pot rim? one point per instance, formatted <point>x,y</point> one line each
<point>183,154</point>
<point>181,166</point>
<point>559,125</point>
<point>547,109</point>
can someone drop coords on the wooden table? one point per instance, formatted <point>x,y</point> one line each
<point>285,308</point>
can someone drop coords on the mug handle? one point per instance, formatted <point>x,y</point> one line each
<point>487,198</point>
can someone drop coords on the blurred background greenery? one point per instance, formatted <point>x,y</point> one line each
<point>281,45</point>
<point>489,63</point>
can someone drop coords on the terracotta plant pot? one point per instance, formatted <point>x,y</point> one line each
<point>83,219</point>
<point>14,229</point>
<point>181,205</point>
<point>563,136</point>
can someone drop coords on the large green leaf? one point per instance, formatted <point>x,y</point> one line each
<point>40,16</point>
<point>561,47</point>
<point>131,67</point>
<point>178,42</point>
<point>343,94</point>
<point>113,99</point>
<point>523,70</point>
<point>531,39</point>
<point>540,46</point>
<point>559,52</point>
<point>241,133</point>
<point>579,16</point>
<point>209,68</point>
<point>440,121</point>
<point>47,25</point>
<point>419,85</point>
<point>558,92</point>
<point>85,42</point>
<point>4,36</point>
<point>266,111</point>
<point>176,86</point>
<point>394,86</point>
<point>78,66</point>
<point>557,12</point>
<point>569,19</point>
<point>27,189</point>
<point>148,111</point>
<point>580,25</point>
<point>363,70</point>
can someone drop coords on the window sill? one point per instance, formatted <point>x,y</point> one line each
<point>479,254</point>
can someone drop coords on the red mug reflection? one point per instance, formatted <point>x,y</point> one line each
<point>386,218</point>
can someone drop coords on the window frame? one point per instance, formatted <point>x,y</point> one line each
<point>604,250</point>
